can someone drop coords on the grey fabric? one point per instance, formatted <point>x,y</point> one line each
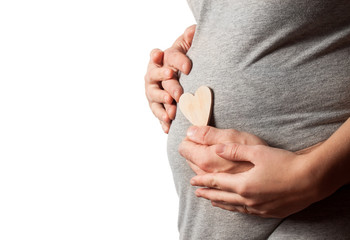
<point>279,69</point>
<point>328,219</point>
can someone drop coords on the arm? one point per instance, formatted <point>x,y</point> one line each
<point>280,182</point>
<point>330,162</point>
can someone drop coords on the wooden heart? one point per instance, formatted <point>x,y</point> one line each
<point>197,108</point>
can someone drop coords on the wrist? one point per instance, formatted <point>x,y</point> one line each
<point>324,175</point>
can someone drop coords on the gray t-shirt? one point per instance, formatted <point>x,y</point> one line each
<point>279,69</point>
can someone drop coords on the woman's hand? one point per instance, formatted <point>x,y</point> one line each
<point>280,182</point>
<point>199,149</point>
<point>161,80</point>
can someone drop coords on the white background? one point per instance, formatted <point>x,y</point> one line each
<point>81,155</point>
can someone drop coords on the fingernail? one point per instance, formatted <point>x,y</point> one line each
<point>164,128</point>
<point>197,193</point>
<point>192,131</point>
<point>220,148</point>
<point>193,182</point>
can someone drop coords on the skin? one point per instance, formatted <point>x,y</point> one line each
<point>278,183</point>
<point>199,149</point>
<point>161,80</point>
<point>236,169</point>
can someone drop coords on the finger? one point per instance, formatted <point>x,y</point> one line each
<point>224,181</point>
<point>233,208</point>
<point>171,110</point>
<point>159,74</point>
<point>156,95</point>
<point>180,48</point>
<point>228,207</point>
<point>177,60</point>
<point>155,62</point>
<point>189,34</point>
<point>156,57</point>
<point>209,135</point>
<point>184,42</point>
<point>205,158</point>
<point>159,111</point>
<point>220,196</point>
<point>201,155</point>
<point>174,88</point>
<point>195,168</point>
<point>238,152</point>
<point>165,127</point>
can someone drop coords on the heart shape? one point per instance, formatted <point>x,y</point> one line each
<point>197,108</point>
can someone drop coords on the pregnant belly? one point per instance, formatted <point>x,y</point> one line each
<point>288,109</point>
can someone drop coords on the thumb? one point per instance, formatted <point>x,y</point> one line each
<point>236,152</point>
<point>207,135</point>
<point>176,57</point>
<point>184,42</point>
<point>189,34</point>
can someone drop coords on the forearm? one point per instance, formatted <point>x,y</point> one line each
<point>330,162</point>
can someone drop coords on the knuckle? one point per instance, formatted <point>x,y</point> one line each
<point>256,151</point>
<point>176,55</point>
<point>250,139</point>
<point>167,85</point>
<point>149,96</point>
<point>167,54</point>
<point>170,55</point>
<point>245,139</point>
<point>232,134</point>
<point>204,133</point>
<point>203,162</point>
<point>204,165</point>
<point>252,203</point>
<point>233,151</point>
<point>263,212</point>
<point>242,190</point>
<point>153,110</point>
<point>172,86</point>
<point>185,45</point>
<point>148,77</point>
<point>212,183</point>
<point>183,151</point>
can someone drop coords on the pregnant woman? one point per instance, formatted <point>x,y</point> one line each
<point>276,161</point>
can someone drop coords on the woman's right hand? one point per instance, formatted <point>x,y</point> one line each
<point>199,149</point>
<point>162,87</point>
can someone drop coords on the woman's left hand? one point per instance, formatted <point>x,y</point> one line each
<point>279,184</point>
